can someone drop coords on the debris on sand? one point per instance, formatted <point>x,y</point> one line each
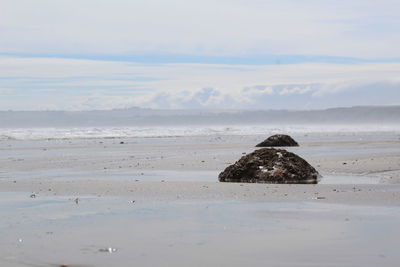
<point>109,250</point>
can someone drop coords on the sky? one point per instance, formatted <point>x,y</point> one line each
<point>220,54</point>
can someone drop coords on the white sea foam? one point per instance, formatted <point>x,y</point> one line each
<point>177,131</point>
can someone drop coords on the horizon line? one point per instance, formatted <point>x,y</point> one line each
<point>209,110</point>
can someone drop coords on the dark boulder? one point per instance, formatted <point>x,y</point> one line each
<point>278,140</point>
<point>269,165</point>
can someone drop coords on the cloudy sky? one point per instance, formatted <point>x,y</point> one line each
<point>220,54</point>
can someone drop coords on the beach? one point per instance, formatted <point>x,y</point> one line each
<point>171,133</point>
<point>156,201</point>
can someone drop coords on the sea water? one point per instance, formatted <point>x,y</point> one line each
<point>179,131</point>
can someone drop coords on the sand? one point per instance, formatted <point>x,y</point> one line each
<point>157,202</point>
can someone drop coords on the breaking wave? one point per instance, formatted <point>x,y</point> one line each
<point>180,131</point>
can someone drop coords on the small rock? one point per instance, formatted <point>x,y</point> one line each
<point>278,140</point>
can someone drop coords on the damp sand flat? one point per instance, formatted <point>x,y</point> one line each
<point>365,155</point>
<point>195,221</point>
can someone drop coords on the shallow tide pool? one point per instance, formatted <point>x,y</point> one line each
<point>119,231</point>
<point>203,176</point>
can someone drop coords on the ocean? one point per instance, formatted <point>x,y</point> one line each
<point>54,133</point>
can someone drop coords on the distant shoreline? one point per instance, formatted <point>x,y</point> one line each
<point>380,115</point>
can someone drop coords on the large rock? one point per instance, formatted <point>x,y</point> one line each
<point>269,165</point>
<point>278,140</point>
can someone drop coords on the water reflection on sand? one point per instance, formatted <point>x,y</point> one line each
<point>59,230</point>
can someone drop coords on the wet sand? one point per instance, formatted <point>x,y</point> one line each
<point>157,202</point>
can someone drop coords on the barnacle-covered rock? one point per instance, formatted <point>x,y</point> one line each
<point>269,165</point>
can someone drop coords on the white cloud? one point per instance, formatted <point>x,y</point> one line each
<point>51,83</point>
<point>238,28</point>
<point>297,89</point>
<point>355,28</point>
